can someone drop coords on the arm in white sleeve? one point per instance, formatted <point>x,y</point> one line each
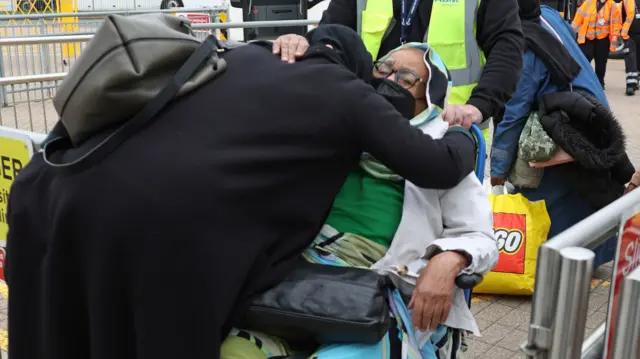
<point>468,226</point>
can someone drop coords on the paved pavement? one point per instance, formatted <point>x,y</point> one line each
<point>503,320</point>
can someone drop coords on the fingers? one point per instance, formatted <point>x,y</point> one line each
<point>420,317</point>
<point>276,45</point>
<point>286,54</point>
<point>301,47</point>
<point>449,116</point>
<point>440,313</point>
<point>290,47</point>
<point>422,307</point>
<point>436,315</point>
<point>462,115</point>
<point>467,121</point>
<point>446,308</point>
<point>429,310</point>
<point>453,116</point>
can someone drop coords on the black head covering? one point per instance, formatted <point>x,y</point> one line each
<point>348,49</point>
<point>529,10</point>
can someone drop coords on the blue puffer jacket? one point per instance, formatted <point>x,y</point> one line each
<point>564,205</point>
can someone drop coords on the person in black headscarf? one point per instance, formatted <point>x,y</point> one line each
<point>151,252</point>
<point>343,46</point>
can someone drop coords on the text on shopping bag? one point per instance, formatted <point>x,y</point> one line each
<point>520,227</point>
<point>510,230</point>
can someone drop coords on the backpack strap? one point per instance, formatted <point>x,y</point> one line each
<point>207,50</point>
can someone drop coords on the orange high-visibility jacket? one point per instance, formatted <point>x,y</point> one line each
<point>591,24</point>
<point>629,8</point>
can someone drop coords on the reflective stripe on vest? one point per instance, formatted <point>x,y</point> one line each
<point>580,29</point>
<point>457,46</point>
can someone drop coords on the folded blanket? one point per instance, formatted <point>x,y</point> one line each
<point>343,249</point>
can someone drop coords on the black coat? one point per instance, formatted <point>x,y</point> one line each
<point>148,254</point>
<point>589,132</point>
<point>499,35</point>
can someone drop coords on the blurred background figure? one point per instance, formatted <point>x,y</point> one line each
<point>598,26</point>
<point>630,35</point>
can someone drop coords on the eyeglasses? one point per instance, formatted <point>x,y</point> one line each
<point>404,77</point>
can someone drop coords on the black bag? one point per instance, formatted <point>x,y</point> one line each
<point>323,304</point>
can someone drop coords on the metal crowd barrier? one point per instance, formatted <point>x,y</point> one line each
<point>25,101</point>
<point>99,14</point>
<point>561,293</point>
<point>21,58</point>
<point>15,25</point>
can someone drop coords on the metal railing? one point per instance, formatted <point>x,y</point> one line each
<point>553,332</point>
<point>37,113</point>
<point>25,101</point>
<point>38,57</point>
<point>100,14</point>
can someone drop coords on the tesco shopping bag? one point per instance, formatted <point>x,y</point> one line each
<point>520,227</point>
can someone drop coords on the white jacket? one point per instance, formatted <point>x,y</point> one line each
<point>458,219</point>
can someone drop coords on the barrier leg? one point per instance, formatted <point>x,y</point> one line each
<point>3,89</point>
<point>593,347</point>
<point>627,325</point>
<point>573,299</point>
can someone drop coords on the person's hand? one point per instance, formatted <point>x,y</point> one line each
<point>290,47</point>
<point>634,183</point>
<point>496,181</point>
<point>463,115</point>
<point>431,299</point>
<point>497,186</point>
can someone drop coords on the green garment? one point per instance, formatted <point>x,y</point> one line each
<point>369,207</point>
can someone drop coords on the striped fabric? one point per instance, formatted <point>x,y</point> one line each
<point>632,79</point>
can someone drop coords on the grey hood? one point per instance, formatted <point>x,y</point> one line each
<point>128,61</point>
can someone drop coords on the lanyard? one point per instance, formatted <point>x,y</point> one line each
<point>406,18</point>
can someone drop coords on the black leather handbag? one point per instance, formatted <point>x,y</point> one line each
<point>323,304</point>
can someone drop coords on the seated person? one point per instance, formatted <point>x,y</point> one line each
<point>383,222</point>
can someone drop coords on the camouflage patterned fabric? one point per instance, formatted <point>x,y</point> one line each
<point>524,176</point>
<point>534,144</point>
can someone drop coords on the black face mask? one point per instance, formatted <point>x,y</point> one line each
<point>397,95</point>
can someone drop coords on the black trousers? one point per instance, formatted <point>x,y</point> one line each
<point>597,50</point>
<point>632,60</point>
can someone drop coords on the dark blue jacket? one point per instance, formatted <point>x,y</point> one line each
<point>535,82</point>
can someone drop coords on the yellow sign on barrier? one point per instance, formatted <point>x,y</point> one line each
<point>16,150</point>
<point>69,24</point>
<point>222,17</point>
